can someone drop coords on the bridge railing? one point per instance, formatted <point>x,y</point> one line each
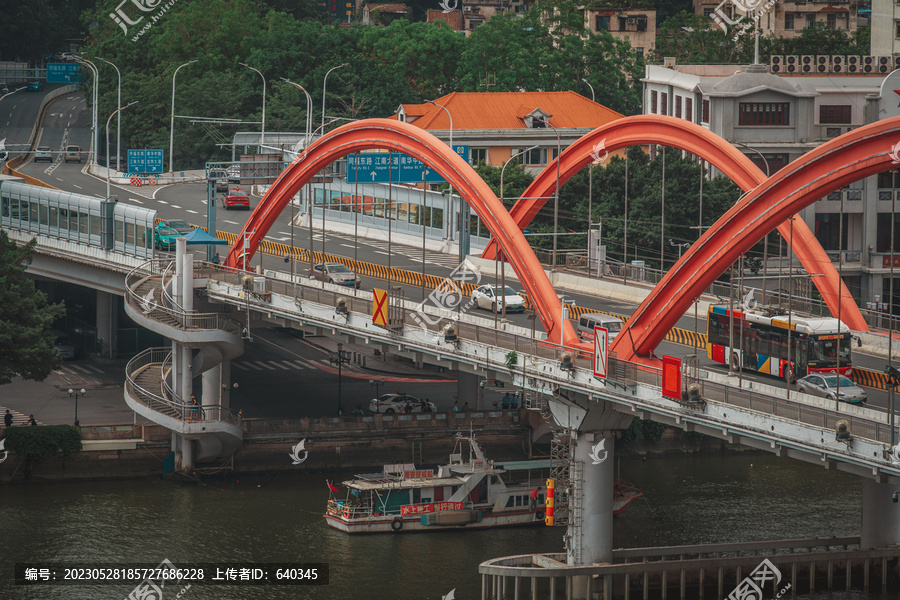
<point>619,370</point>
<point>185,319</point>
<point>167,401</point>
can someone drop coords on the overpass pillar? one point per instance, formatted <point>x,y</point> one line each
<point>107,323</point>
<point>467,389</point>
<point>217,387</point>
<point>592,425</point>
<point>880,515</point>
<point>184,453</point>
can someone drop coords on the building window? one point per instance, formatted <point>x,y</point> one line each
<point>831,20</point>
<point>834,114</point>
<point>622,22</point>
<point>477,155</point>
<point>640,51</point>
<point>829,231</point>
<point>897,33</point>
<point>705,118</point>
<point>764,113</point>
<point>689,109</point>
<point>665,104</point>
<point>707,12</point>
<point>772,163</point>
<point>535,156</point>
<point>602,23</point>
<point>810,19</point>
<point>788,21</point>
<point>677,107</point>
<point>653,104</point>
<point>642,24</point>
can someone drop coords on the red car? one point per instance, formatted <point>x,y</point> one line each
<point>236,198</point>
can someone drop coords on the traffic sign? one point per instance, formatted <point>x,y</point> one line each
<point>145,161</point>
<point>384,167</point>
<point>601,362</point>
<point>62,72</point>
<point>379,307</point>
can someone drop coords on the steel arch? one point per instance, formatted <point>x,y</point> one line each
<point>856,154</point>
<point>684,135</point>
<point>401,137</point>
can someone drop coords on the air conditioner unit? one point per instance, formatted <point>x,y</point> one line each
<point>884,64</point>
<point>630,20</point>
<point>776,64</point>
<point>792,60</point>
<point>897,62</point>
<point>669,62</point>
<point>838,64</point>
<point>823,63</point>
<point>807,63</point>
<point>467,9</point>
<point>869,64</point>
<point>854,64</point>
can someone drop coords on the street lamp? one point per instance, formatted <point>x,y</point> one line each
<point>81,393</point>
<point>262,135</point>
<point>118,123</point>
<point>463,207</point>
<point>377,383</point>
<point>95,109</point>
<point>679,246</point>
<point>119,111</point>
<point>172,125</point>
<point>556,194</point>
<point>308,109</point>
<point>593,98</point>
<point>500,257</point>
<point>340,359</point>
<point>324,87</point>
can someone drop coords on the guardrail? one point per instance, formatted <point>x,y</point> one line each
<point>623,372</point>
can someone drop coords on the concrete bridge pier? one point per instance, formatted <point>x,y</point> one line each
<point>184,453</point>
<point>592,425</point>
<point>217,387</point>
<point>107,323</point>
<point>467,390</point>
<point>880,515</point>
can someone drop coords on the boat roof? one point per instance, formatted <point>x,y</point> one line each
<point>379,481</point>
<point>523,465</point>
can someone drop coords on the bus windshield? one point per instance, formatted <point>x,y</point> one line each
<point>825,350</point>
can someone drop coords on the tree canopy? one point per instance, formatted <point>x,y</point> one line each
<point>26,344</point>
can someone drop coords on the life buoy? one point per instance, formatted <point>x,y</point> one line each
<point>397,524</point>
<point>346,513</point>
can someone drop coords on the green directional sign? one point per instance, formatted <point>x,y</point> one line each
<point>62,72</point>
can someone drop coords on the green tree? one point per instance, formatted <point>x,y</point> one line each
<point>26,344</point>
<point>693,38</point>
<point>515,180</point>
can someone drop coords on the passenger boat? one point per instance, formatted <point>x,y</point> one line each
<point>466,493</point>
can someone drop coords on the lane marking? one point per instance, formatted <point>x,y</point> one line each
<point>239,366</point>
<point>135,200</point>
<point>77,186</point>
<point>193,212</point>
<point>264,365</point>
<point>280,366</point>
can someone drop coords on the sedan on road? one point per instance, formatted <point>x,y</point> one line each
<point>389,404</point>
<point>180,226</point>
<point>35,86</point>
<point>166,236</point>
<point>492,298</point>
<point>73,153</point>
<point>337,274</point>
<point>826,386</point>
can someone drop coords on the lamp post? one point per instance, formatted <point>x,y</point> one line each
<point>308,109</point>
<point>556,194</point>
<point>324,87</point>
<point>172,124</point>
<point>377,383</point>
<point>679,246</point>
<point>118,124</point>
<point>81,393</point>
<point>119,112</point>
<point>96,94</point>
<point>340,359</point>
<point>463,206</point>
<point>766,240</point>
<point>500,257</point>
<point>593,98</point>
<point>262,135</point>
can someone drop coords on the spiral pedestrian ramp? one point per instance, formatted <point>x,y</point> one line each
<point>159,381</point>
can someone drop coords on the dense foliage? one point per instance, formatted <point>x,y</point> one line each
<point>36,443</point>
<point>26,344</point>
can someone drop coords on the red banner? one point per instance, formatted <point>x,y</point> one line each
<point>671,377</point>
<point>886,261</point>
<point>423,474</point>
<point>421,509</point>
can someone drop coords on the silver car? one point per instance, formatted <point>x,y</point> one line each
<point>43,153</point>
<point>492,298</point>
<point>389,404</point>
<point>825,385</point>
<point>337,274</point>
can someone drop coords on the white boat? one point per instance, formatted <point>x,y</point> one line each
<point>467,493</point>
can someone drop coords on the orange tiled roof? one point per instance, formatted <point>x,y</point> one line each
<point>452,18</point>
<point>391,8</point>
<point>504,110</point>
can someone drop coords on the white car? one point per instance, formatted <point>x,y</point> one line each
<point>492,298</point>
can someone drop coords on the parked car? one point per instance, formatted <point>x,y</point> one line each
<point>73,153</point>
<point>825,385</point>
<point>236,198</point>
<point>337,274</point>
<point>180,226</point>
<point>43,153</point>
<point>166,236</point>
<point>63,345</point>
<point>35,86</point>
<point>491,297</point>
<point>389,404</point>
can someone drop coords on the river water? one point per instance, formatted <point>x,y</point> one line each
<point>278,519</point>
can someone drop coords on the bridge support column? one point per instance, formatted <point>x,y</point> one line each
<point>184,453</point>
<point>107,323</point>
<point>467,389</point>
<point>880,515</point>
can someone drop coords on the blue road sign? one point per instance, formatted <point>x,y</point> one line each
<point>376,167</point>
<point>145,161</point>
<point>62,72</point>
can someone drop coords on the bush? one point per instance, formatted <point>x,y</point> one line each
<point>650,431</point>
<point>35,443</point>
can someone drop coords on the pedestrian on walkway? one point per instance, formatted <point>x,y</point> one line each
<point>217,259</point>
<point>7,419</point>
<point>456,406</point>
<point>31,421</point>
<point>465,406</point>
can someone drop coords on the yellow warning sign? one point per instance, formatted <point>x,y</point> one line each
<point>379,307</point>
